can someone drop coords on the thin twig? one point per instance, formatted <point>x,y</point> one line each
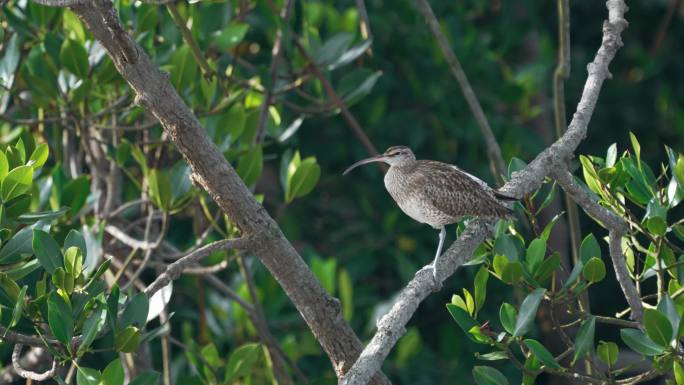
<point>496,162</point>
<point>616,227</point>
<point>276,54</point>
<point>27,374</point>
<point>174,270</point>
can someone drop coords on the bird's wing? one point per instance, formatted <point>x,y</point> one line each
<point>456,192</point>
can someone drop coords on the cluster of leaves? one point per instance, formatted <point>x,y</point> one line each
<point>52,234</point>
<point>625,185</point>
<point>45,282</point>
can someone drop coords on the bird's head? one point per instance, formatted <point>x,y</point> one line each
<point>394,156</point>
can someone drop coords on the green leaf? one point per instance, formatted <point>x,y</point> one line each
<point>528,311</point>
<point>184,67</point>
<point>18,307</point>
<point>47,251</point>
<point>17,182</point>
<point>73,261</point>
<point>667,307</point>
<point>486,375</point>
<point>60,319</point>
<point>499,263</point>
<point>333,48</point>
<point>532,364</point>
<point>535,254</point>
<point>547,268</point>
<point>113,306</point>
<point>508,315</point>
<point>542,354</point>
<point>39,156</point>
<point>409,345</point>
<point>136,311</point>
<point>147,378</point>
<point>303,179</point>
<point>4,165</point>
<point>658,327</point>
<point>74,58</point>
<point>75,193</point>
<point>594,270</point>
<point>211,355</point>
<point>351,54</point>
<point>470,302</point>
<point>160,189</point>
<point>113,374</point>
<point>346,292</point>
<point>574,274</point>
<point>611,155</point>
<point>87,376</point>
<point>17,247</point>
<point>590,248</point>
<point>584,340</point>
<point>250,165</point>
<point>462,318</point>
<point>42,215</point>
<point>10,287</point>
<point>480,289</point>
<point>636,340</point>
<point>231,36</point>
<point>679,170</point>
<point>241,361</point>
<point>678,372</point>
<point>607,352</point>
<point>91,327</point>
<point>127,340</point>
<point>232,123</point>
<point>75,238</point>
<point>637,148</point>
<point>8,63</point>
<point>493,356</point>
<point>512,273</point>
<point>354,88</point>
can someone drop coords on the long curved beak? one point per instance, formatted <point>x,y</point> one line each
<point>377,158</point>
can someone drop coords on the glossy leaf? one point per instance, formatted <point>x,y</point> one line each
<point>303,180</point>
<point>87,376</point>
<point>136,311</point>
<point>589,248</point>
<point>113,374</point>
<point>250,166</point>
<point>91,328</point>
<point>508,316</point>
<point>147,378</point>
<point>639,342</point>
<point>658,327</point>
<point>535,254</point>
<point>47,251</point>
<point>241,361</point>
<point>542,353</point>
<point>486,375</point>
<point>17,247</point>
<point>18,307</point>
<point>74,58</point>
<point>584,340</point>
<point>127,340</point>
<point>480,289</point>
<point>607,352</point>
<point>528,311</point>
<point>60,319</point>
<point>17,182</point>
<point>594,270</point>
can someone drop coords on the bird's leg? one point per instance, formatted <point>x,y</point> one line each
<point>433,266</point>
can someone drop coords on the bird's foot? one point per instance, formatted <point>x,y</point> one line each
<point>430,269</point>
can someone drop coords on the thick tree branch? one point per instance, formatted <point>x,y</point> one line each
<point>392,326</point>
<point>212,172</point>
<point>616,226</point>
<point>496,162</point>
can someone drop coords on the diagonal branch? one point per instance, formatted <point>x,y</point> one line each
<point>211,171</point>
<point>496,162</point>
<point>616,226</point>
<point>392,326</point>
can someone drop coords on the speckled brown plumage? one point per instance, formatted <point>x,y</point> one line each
<point>436,193</point>
<point>439,194</point>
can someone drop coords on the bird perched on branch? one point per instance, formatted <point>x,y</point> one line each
<point>437,193</point>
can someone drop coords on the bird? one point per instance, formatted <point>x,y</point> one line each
<point>437,193</point>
